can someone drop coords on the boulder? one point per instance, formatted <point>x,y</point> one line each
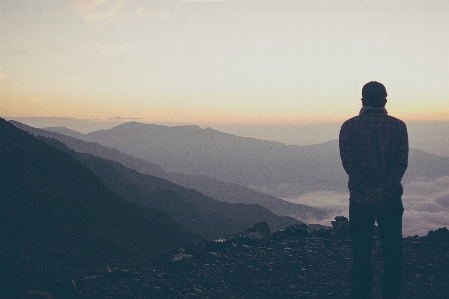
<point>340,218</point>
<point>298,229</point>
<point>441,234</point>
<point>439,237</point>
<point>311,228</point>
<point>319,230</point>
<point>261,228</point>
<point>340,224</point>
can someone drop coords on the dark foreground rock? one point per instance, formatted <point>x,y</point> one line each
<point>283,266</point>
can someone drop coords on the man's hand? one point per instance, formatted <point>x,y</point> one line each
<point>374,199</point>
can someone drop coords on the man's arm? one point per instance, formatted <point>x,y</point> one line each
<point>400,165</point>
<point>349,161</point>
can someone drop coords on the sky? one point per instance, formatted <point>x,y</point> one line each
<point>224,62</point>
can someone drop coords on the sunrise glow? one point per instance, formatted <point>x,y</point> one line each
<point>221,61</point>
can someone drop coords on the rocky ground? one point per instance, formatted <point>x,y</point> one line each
<point>290,264</point>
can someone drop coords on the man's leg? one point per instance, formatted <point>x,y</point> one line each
<point>390,233</point>
<point>361,223</point>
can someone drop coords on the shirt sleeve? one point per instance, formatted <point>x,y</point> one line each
<point>350,163</point>
<point>399,167</point>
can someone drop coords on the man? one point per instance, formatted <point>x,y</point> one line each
<point>374,153</point>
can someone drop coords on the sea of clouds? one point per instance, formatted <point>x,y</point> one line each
<point>426,205</point>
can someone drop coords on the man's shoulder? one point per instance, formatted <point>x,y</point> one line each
<point>352,119</point>
<point>368,118</point>
<point>351,122</point>
<point>396,120</point>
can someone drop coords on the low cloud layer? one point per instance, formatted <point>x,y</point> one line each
<point>426,204</point>
<point>334,202</point>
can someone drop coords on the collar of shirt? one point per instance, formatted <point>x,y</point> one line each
<point>376,110</point>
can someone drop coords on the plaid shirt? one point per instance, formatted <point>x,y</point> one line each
<point>374,153</point>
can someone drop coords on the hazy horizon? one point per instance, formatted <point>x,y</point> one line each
<point>430,136</point>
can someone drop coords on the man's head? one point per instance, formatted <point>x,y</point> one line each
<point>374,94</point>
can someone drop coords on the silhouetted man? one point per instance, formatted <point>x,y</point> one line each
<point>374,153</point>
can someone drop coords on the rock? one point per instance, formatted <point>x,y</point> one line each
<point>252,238</point>
<point>181,261</point>
<point>260,232</point>
<point>439,237</point>
<point>439,234</point>
<point>261,228</point>
<point>278,235</point>
<point>323,232</point>
<point>181,256</point>
<point>299,229</point>
<point>219,244</point>
<point>340,218</point>
<point>340,225</point>
<point>311,228</point>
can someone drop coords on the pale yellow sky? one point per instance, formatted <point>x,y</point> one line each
<point>221,61</point>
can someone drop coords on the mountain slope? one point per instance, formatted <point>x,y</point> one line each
<point>61,130</point>
<point>235,193</point>
<point>245,161</point>
<point>201,214</point>
<point>94,148</point>
<point>228,192</point>
<point>58,219</point>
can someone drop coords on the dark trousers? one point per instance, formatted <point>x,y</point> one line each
<point>361,223</point>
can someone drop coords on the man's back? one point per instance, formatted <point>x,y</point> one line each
<point>374,151</point>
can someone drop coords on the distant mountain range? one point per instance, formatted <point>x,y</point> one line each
<point>203,215</point>
<point>60,130</point>
<point>227,192</point>
<point>58,219</point>
<point>206,216</point>
<point>429,136</point>
<point>94,148</point>
<point>272,167</point>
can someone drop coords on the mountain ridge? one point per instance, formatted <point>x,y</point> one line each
<point>203,215</point>
<point>216,189</point>
<point>278,169</point>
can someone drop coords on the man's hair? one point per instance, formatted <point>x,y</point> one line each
<point>374,94</point>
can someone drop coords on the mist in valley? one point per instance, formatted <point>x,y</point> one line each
<point>426,205</point>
